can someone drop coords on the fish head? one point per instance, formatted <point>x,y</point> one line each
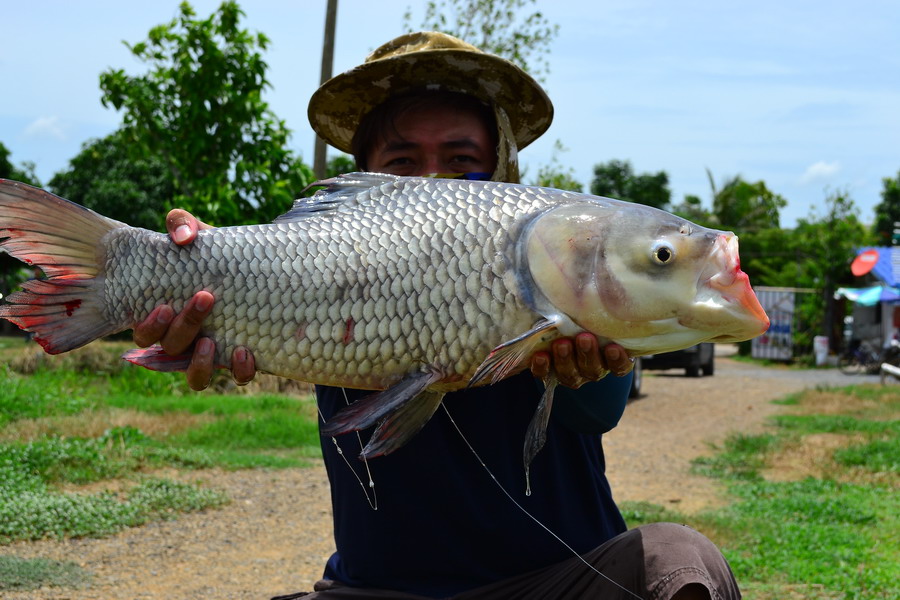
<point>641,277</point>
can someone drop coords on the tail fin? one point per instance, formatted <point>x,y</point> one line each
<point>64,311</point>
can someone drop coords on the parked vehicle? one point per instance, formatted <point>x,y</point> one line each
<point>861,357</point>
<point>637,379</point>
<point>694,360</point>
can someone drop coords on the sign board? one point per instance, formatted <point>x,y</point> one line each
<point>864,262</point>
<point>776,343</point>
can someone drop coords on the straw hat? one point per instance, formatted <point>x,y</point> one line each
<point>430,60</point>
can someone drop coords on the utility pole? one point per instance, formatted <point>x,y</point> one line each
<point>319,157</point>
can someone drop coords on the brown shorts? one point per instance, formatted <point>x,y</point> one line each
<point>651,562</point>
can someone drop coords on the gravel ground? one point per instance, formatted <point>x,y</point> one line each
<point>275,535</point>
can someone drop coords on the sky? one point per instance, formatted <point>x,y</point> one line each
<point>804,95</point>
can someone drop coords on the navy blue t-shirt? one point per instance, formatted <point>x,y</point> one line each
<point>442,525</point>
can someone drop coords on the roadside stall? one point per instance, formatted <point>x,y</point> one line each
<point>876,307</point>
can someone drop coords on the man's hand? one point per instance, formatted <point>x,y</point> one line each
<point>580,360</point>
<point>176,333</point>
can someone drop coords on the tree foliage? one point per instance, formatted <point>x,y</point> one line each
<point>616,179</point>
<point>743,206</point>
<point>555,175</point>
<point>500,27</point>
<point>826,246</point>
<point>692,209</point>
<point>104,178</point>
<point>887,212</point>
<point>199,108</point>
<point>24,173</point>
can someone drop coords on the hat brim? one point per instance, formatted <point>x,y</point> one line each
<point>338,106</point>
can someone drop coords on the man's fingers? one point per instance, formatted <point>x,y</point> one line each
<point>185,327</point>
<point>565,364</point>
<point>183,226</point>
<point>590,365</point>
<point>540,365</point>
<point>151,329</point>
<point>199,372</point>
<point>243,366</point>
<point>617,360</point>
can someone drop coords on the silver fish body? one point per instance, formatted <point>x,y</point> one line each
<point>402,277</point>
<point>414,286</point>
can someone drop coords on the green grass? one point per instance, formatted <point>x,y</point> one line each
<point>24,574</point>
<point>832,535</point>
<point>882,456</point>
<point>49,394</point>
<point>837,530</point>
<point>49,410</point>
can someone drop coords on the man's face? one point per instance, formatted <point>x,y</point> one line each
<point>426,141</point>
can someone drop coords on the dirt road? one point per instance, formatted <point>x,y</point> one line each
<point>275,535</point>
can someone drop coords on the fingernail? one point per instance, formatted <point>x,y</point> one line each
<point>181,234</point>
<point>562,350</point>
<point>205,346</point>
<point>203,303</point>
<point>584,343</point>
<point>613,354</point>
<point>240,355</point>
<point>164,315</point>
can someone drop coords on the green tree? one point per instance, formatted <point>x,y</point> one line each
<point>25,173</point>
<point>103,177</point>
<point>200,109</point>
<point>827,246</point>
<point>887,213</point>
<point>555,175</point>
<point>772,257</point>
<point>691,208</point>
<point>496,26</point>
<point>342,163</point>
<point>744,206</point>
<point>616,179</point>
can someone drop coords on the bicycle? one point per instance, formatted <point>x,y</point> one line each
<point>859,357</point>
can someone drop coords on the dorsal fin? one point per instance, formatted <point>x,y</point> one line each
<point>337,192</point>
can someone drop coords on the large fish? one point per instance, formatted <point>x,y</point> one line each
<point>413,286</point>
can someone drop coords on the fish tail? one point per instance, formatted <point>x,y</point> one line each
<point>64,311</point>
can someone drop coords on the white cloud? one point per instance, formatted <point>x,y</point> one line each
<point>820,171</point>
<point>46,127</point>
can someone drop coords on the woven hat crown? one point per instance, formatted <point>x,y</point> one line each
<point>428,60</point>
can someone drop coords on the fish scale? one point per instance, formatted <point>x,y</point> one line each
<point>403,308</point>
<point>413,286</point>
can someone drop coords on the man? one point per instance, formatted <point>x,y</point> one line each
<point>449,515</point>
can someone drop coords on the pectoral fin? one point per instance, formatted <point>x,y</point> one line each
<point>507,356</point>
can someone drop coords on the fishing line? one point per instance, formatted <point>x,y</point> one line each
<point>528,514</point>
<point>373,500</point>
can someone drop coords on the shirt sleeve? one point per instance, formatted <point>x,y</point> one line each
<point>595,407</point>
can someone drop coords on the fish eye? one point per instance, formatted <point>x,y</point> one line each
<point>663,253</point>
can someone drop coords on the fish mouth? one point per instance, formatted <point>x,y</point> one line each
<point>724,292</point>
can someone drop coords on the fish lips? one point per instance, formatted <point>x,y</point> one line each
<point>725,297</point>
